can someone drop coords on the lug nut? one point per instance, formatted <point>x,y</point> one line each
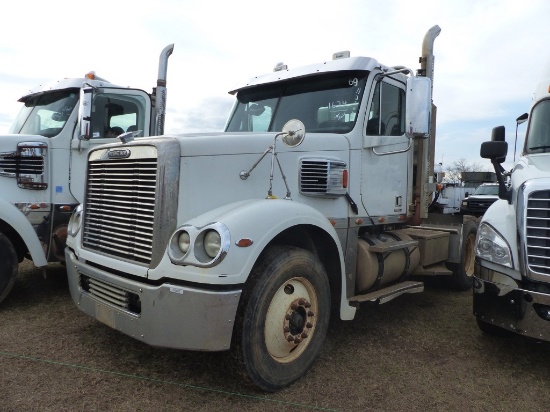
<point>309,325</point>
<point>303,335</point>
<point>301,301</point>
<point>310,313</point>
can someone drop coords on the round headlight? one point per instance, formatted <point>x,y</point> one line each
<point>184,240</point>
<point>212,243</point>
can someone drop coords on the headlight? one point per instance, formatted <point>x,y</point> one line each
<point>184,241</point>
<point>75,221</point>
<point>212,243</point>
<point>491,246</point>
<point>464,203</point>
<point>204,246</point>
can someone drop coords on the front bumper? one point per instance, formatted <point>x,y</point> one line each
<point>510,307</point>
<point>168,315</point>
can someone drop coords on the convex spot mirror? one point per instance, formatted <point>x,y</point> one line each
<point>85,112</point>
<point>294,133</point>
<point>419,107</point>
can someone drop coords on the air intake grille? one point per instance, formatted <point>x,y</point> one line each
<point>538,232</point>
<point>111,294</point>
<point>120,208</point>
<point>322,177</point>
<point>10,164</point>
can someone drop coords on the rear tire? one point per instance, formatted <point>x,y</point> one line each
<point>283,318</point>
<point>463,272</point>
<point>8,266</point>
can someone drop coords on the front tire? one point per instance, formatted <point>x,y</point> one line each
<point>8,266</point>
<point>463,272</point>
<point>284,317</point>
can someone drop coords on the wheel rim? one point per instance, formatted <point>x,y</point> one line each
<point>291,319</point>
<point>469,255</point>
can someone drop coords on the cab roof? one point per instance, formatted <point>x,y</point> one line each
<point>340,64</point>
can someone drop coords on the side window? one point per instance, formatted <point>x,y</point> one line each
<point>114,114</point>
<point>387,111</point>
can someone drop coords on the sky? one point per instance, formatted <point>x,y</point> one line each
<point>489,55</point>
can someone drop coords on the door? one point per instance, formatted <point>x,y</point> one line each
<point>387,153</point>
<point>114,111</point>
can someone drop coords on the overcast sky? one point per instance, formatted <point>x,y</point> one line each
<point>488,57</point>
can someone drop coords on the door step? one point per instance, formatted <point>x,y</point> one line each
<point>389,293</point>
<point>432,270</point>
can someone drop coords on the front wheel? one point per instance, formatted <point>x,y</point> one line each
<point>284,317</point>
<point>8,266</point>
<point>463,272</point>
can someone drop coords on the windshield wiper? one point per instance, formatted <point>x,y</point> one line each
<point>540,147</point>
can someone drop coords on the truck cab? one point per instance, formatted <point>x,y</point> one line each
<point>43,161</point>
<point>307,204</point>
<point>512,269</point>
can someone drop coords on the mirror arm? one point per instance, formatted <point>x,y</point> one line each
<point>503,192</point>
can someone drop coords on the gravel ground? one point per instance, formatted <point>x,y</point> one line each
<point>418,352</point>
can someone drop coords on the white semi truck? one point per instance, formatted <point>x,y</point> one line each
<point>43,159</point>
<point>512,270</point>
<point>310,201</point>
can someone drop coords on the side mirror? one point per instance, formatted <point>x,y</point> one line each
<point>85,112</point>
<point>494,150</point>
<point>293,133</point>
<point>418,107</point>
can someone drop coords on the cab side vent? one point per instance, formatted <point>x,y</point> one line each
<point>323,177</point>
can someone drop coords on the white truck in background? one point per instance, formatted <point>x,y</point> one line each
<point>512,269</point>
<point>312,199</point>
<point>43,159</point>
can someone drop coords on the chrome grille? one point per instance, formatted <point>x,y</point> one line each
<point>120,208</point>
<point>538,231</point>
<point>111,294</point>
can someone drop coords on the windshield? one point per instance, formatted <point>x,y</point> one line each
<point>538,137</point>
<point>487,190</point>
<point>326,103</point>
<point>45,114</point>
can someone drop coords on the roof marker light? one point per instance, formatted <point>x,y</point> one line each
<point>341,55</point>
<point>280,67</point>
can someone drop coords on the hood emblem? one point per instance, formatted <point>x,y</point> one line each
<point>119,153</point>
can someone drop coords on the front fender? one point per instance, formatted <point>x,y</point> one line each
<point>502,217</point>
<point>19,222</point>
<point>259,221</point>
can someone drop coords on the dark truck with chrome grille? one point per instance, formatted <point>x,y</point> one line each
<point>311,201</point>
<point>512,268</point>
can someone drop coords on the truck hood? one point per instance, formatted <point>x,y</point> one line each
<point>216,144</point>
<point>8,142</point>
<point>531,167</point>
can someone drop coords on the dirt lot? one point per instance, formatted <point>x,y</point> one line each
<point>418,352</point>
